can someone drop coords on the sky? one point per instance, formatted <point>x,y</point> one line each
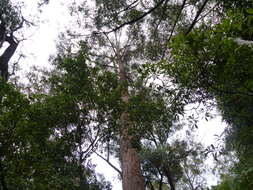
<point>41,39</point>
<point>41,43</point>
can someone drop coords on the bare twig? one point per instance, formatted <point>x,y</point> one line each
<point>15,65</point>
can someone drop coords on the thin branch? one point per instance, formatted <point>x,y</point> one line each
<point>241,41</point>
<point>153,138</point>
<point>15,65</point>
<point>161,182</point>
<point>208,12</point>
<point>108,162</point>
<point>138,18</point>
<point>176,21</point>
<point>195,20</point>
<point>174,27</point>
<point>247,88</point>
<point>170,179</point>
<point>151,185</point>
<point>19,26</point>
<point>93,143</point>
<point>112,45</point>
<point>187,175</point>
<point>132,5</point>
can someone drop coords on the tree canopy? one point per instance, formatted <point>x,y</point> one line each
<point>119,88</point>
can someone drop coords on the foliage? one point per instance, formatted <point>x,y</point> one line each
<point>10,14</point>
<point>126,32</point>
<point>172,162</point>
<point>242,180</point>
<point>44,135</point>
<point>237,4</point>
<point>216,63</point>
<point>75,110</point>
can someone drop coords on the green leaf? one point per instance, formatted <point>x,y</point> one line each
<point>250,11</point>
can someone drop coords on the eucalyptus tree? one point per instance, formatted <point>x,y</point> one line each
<point>119,49</point>
<point>122,36</point>
<point>125,34</point>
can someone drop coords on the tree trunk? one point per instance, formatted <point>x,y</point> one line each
<point>130,161</point>
<point>169,177</point>
<point>132,178</point>
<point>6,56</point>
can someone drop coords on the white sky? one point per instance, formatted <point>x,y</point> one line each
<point>41,39</point>
<point>41,43</point>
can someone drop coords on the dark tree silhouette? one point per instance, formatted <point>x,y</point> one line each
<point>8,52</point>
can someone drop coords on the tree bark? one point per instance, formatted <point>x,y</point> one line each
<point>167,173</point>
<point>132,178</point>
<point>2,33</point>
<point>6,56</point>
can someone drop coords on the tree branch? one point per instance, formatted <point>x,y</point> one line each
<point>138,18</point>
<point>6,56</point>
<point>176,21</point>
<point>195,20</point>
<point>174,26</point>
<point>167,173</point>
<point>108,162</point>
<point>132,5</point>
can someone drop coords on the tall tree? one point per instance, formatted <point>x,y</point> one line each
<point>124,35</point>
